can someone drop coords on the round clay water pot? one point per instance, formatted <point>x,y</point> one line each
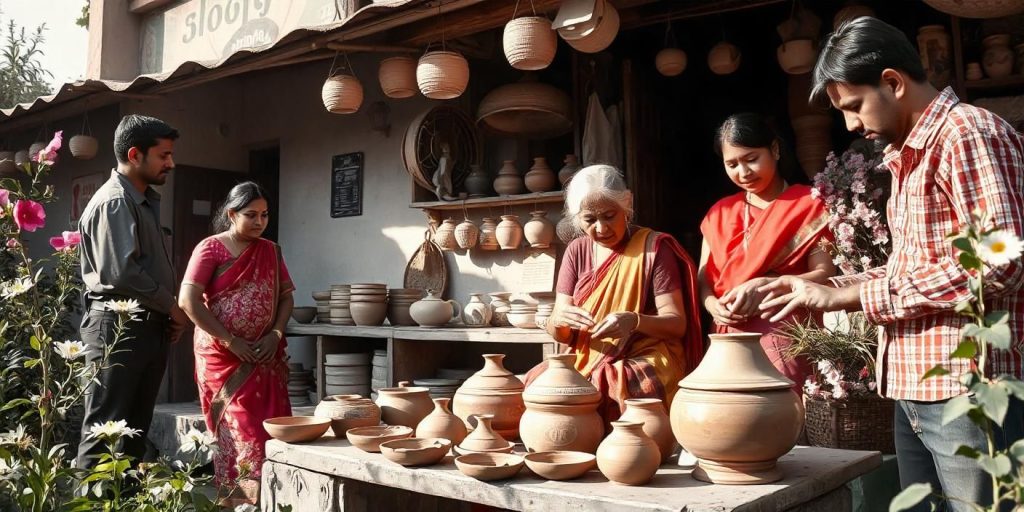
<point>539,231</point>
<point>670,61</point>
<point>569,169</point>
<point>540,178</point>
<point>628,456</point>
<point>466,234</point>
<point>495,391</point>
<point>434,312</point>
<point>508,181</point>
<point>651,412</point>
<point>444,237</point>
<point>476,313</point>
<point>442,423</point>
<point>478,183</point>
<point>348,411</point>
<point>404,405</point>
<point>488,238</point>
<point>552,427</point>
<point>509,232</point>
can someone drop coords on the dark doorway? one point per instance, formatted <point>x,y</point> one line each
<point>265,169</point>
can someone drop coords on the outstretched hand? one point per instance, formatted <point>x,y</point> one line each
<point>787,293</point>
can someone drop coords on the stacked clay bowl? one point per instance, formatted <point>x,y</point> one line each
<point>341,295</point>
<point>399,300</point>
<point>347,374</point>
<point>369,304</point>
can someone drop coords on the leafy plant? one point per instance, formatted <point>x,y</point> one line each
<point>844,357</point>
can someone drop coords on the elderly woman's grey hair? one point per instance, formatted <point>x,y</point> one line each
<point>596,183</point>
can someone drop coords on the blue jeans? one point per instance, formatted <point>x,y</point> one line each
<point>925,452</point>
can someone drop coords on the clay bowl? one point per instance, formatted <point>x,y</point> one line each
<point>304,314</point>
<point>296,429</point>
<point>522,320</point>
<point>368,439</point>
<point>560,465</point>
<point>368,313</point>
<point>489,466</point>
<point>505,449</point>
<point>322,295</point>
<point>416,451</point>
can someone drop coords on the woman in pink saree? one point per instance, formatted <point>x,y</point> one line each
<point>239,294</point>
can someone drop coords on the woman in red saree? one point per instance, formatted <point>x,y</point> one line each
<point>769,229</point>
<point>626,302</point>
<point>239,294</point>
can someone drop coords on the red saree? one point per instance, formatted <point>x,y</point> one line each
<point>236,397</point>
<point>780,238</point>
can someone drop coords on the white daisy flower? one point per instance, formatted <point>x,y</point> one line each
<point>196,440</point>
<point>70,349</point>
<point>9,471</point>
<point>162,493</point>
<point>999,248</point>
<point>16,287</point>
<point>124,306</point>
<point>113,430</point>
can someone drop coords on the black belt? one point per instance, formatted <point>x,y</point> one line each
<point>145,314</point>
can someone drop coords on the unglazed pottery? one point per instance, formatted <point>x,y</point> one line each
<point>444,237</point>
<point>488,238</point>
<point>434,312</point>
<point>539,231</point>
<point>500,307</point>
<point>296,429</point>
<point>442,423</point>
<point>628,456</point>
<point>478,183</point>
<point>540,178</point>
<point>508,181</point>
<point>489,466</point>
<point>509,232</point>
<point>348,411</point>
<point>652,413</point>
<point>733,397</point>
<point>560,465</point>
<point>477,313</point>
<point>572,165</point>
<point>483,438</point>
<point>466,234</point>
<point>416,451</point>
<point>494,391</point>
<point>404,405</point>
<point>368,439</point>
<point>561,409</point>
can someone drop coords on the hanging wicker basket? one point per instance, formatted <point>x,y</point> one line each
<point>397,76</point>
<point>83,147</point>
<point>854,423</point>
<point>670,61</point>
<point>529,43</point>
<point>602,36</point>
<point>442,74</point>
<point>526,109</point>
<point>978,8</point>
<point>342,94</point>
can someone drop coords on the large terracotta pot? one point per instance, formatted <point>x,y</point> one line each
<point>492,390</point>
<point>651,412</point>
<point>628,456</point>
<point>477,313</point>
<point>348,411</point>
<point>500,306</point>
<point>509,232</point>
<point>934,45</point>
<point>571,167</point>
<point>508,181</point>
<point>432,311</point>
<point>998,57</point>
<point>540,178</point>
<point>442,423</point>
<point>539,231</point>
<point>404,405</point>
<point>736,413</point>
<point>561,409</point>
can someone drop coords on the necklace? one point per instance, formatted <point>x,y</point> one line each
<point>746,215</point>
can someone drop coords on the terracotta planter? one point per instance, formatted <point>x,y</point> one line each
<point>724,58</point>
<point>466,234</point>
<point>561,409</point>
<point>652,413</point>
<point>540,178</point>
<point>342,94</point>
<point>488,238</point>
<point>492,390</point>
<point>508,181</point>
<point>434,312</point>
<point>478,183</point>
<point>738,394</point>
<point>442,75</point>
<point>529,43</point>
<point>404,405</point>
<point>500,307</point>
<point>483,438</point>
<point>442,423</point>
<point>509,233</point>
<point>83,147</point>
<point>444,237</point>
<point>476,313</point>
<point>670,61</point>
<point>348,411</point>
<point>397,76</point>
<point>934,45</point>
<point>628,456</point>
<point>571,167</point>
<point>998,57</point>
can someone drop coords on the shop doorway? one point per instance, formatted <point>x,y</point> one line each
<point>265,169</point>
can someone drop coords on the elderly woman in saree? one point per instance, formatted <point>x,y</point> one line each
<point>626,297</point>
<point>238,293</point>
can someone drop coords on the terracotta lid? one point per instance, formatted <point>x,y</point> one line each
<point>561,383</point>
<point>735,362</point>
<point>492,378</point>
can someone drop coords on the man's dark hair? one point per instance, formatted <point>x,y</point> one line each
<point>857,53</point>
<point>142,132</point>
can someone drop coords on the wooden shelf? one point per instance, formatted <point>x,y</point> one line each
<point>485,202</point>
<point>995,84</point>
<point>477,335</point>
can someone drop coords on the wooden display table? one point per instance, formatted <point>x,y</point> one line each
<point>330,475</point>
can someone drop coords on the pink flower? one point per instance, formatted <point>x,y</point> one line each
<point>12,243</point>
<point>838,392</point>
<point>5,199</point>
<point>49,154</point>
<point>67,241</point>
<point>872,385</point>
<point>811,388</point>
<point>29,215</point>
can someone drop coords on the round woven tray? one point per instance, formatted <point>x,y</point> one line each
<point>425,138</point>
<point>526,109</point>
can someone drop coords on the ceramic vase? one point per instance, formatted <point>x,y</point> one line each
<point>432,311</point>
<point>539,231</point>
<point>652,413</point>
<point>442,423</point>
<point>628,456</point>
<point>466,234</point>
<point>404,405</point>
<point>488,240</point>
<point>478,183</point>
<point>509,232</point>
<point>492,390</point>
<point>569,169</point>
<point>444,236</point>
<point>484,438</point>
<point>561,409</point>
<point>500,306</point>
<point>509,181</point>
<point>739,395</point>
<point>934,44</point>
<point>348,411</point>
<point>540,178</point>
<point>476,313</point>
<point>998,57</point>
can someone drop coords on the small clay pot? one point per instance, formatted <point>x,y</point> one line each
<point>509,232</point>
<point>404,405</point>
<point>483,438</point>
<point>442,423</point>
<point>488,240</point>
<point>572,165</point>
<point>444,237</point>
<point>628,456</point>
<point>539,231</point>
<point>347,411</point>
<point>540,178</point>
<point>508,182</point>
<point>466,234</point>
<point>652,413</point>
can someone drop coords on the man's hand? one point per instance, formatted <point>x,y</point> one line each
<point>787,293</point>
<point>179,320</point>
<point>744,299</point>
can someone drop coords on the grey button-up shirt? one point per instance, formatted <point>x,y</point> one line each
<point>123,250</point>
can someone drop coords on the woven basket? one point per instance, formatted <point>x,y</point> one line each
<point>856,423</point>
<point>442,75</point>
<point>342,94</point>
<point>83,147</point>
<point>397,76</point>
<point>977,8</point>
<point>602,36</point>
<point>529,43</point>
<point>528,109</point>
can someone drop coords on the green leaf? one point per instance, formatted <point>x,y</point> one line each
<point>912,495</point>
<point>34,342</point>
<point>997,317</point>
<point>967,451</point>
<point>966,350</point>
<point>936,371</point>
<point>997,466</point>
<point>964,244</point>
<point>964,306</point>
<point>970,330</point>
<point>993,400</point>
<point>1017,450</point>
<point>17,402</point>
<point>955,408</point>
<point>970,261</point>
<point>32,363</point>
<point>999,336</point>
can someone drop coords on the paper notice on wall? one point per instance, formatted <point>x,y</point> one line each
<point>538,271</point>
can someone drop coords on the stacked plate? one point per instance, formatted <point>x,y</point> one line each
<point>523,315</point>
<point>323,306</point>
<point>341,295</point>
<point>369,303</point>
<point>399,300</point>
<point>347,374</point>
<point>543,312</point>
<point>439,388</point>
<point>459,374</point>
<point>379,371</point>
<point>299,383</point>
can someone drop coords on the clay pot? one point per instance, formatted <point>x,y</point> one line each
<point>489,466</point>
<point>540,178</point>
<point>813,141</point>
<point>83,147</point>
<point>974,71</point>
<point>416,451</point>
<point>476,313</point>
<point>296,429</point>
<point>432,311</point>
<point>603,34</point>
<point>561,409</point>
<point>442,75</point>
<point>478,183</point>
<point>561,384</point>
<point>483,438</point>
<point>488,237</point>
<point>651,412</point>
<point>998,57</point>
<point>529,43</point>
<point>796,57</point>
<point>724,58</point>
<point>368,313</point>
<point>509,181</point>
<point>539,231</point>
<point>670,61</point>
<point>348,411</point>
<point>572,165</point>
<point>495,391</point>
<point>500,306</point>
<point>466,234</point>
<point>509,233</point>
<point>397,76</point>
<point>442,423</point>
<point>444,236</point>
<point>404,405</point>
<point>368,439</point>
<point>628,456</point>
<point>739,395</point>
<point>933,43</point>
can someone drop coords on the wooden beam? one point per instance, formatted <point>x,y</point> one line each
<point>144,6</point>
<point>641,17</point>
<point>466,22</point>
<point>372,48</point>
<point>57,112</point>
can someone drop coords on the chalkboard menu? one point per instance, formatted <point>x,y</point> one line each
<point>347,185</point>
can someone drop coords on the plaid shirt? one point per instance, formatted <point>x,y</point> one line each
<point>958,158</point>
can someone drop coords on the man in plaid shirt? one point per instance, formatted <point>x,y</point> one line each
<point>947,159</point>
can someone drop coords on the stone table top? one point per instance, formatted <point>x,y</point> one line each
<point>810,472</point>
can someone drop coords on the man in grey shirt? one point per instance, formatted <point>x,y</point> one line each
<point>124,256</point>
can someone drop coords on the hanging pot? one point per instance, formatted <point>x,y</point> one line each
<point>397,76</point>
<point>670,61</point>
<point>529,43</point>
<point>83,147</point>
<point>796,57</point>
<point>442,74</point>
<point>444,236</point>
<point>526,109</point>
<point>342,94</point>
<point>724,58</point>
<point>602,36</point>
<point>466,234</point>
